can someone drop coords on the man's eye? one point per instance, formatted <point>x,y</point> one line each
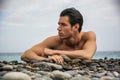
<point>63,24</point>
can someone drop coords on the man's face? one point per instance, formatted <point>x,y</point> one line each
<point>64,28</point>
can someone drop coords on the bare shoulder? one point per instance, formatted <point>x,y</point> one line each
<point>90,35</point>
<point>51,41</point>
<point>53,38</point>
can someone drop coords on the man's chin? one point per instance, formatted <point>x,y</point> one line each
<point>62,38</point>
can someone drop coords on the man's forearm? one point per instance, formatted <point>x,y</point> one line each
<point>73,54</point>
<point>84,54</point>
<point>30,55</point>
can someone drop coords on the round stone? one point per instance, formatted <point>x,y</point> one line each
<point>16,76</point>
<point>7,67</point>
<point>80,78</point>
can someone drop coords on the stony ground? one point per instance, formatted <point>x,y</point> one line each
<point>75,69</point>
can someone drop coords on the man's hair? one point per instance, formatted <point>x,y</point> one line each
<point>74,17</point>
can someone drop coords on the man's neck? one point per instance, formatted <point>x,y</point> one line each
<point>73,40</point>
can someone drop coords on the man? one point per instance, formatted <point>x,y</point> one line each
<point>70,41</point>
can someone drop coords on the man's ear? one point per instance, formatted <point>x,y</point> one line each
<point>76,27</point>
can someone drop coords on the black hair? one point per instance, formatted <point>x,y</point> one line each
<point>74,17</point>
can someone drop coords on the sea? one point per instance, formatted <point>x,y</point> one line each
<point>98,55</point>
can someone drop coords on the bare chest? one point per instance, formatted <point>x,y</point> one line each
<point>65,47</point>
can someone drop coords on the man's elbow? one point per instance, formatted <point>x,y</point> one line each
<point>24,56</point>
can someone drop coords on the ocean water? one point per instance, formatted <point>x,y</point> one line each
<point>108,54</point>
<point>98,55</point>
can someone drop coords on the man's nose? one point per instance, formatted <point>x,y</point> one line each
<point>59,28</point>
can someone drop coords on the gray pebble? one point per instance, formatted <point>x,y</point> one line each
<point>116,74</point>
<point>16,76</point>
<point>108,78</point>
<point>72,72</point>
<point>60,75</point>
<point>7,67</point>
<point>80,78</point>
<point>43,78</point>
<point>55,66</point>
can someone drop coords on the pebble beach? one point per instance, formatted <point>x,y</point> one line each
<point>71,69</point>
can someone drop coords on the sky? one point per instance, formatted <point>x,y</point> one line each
<point>24,23</point>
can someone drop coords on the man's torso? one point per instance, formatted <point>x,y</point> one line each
<point>62,46</point>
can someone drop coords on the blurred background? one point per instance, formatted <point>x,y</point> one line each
<point>24,23</point>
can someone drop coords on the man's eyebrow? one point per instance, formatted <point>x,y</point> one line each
<point>61,23</point>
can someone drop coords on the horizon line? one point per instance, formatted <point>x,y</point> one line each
<point>23,52</point>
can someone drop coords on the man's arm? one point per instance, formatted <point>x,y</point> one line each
<point>37,51</point>
<point>87,52</point>
<point>32,54</point>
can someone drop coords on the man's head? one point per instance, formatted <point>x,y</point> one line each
<point>74,17</point>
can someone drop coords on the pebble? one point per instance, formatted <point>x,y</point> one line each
<point>80,78</point>
<point>60,75</point>
<point>43,78</point>
<point>100,74</point>
<point>110,74</point>
<point>53,66</point>
<point>72,72</point>
<point>7,68</point>
<point>116,74</point>
<point>108,78</point>
<point>16,76</point>
<point>66,58</point>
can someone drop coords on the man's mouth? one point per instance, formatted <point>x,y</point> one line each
<point>60,34</point>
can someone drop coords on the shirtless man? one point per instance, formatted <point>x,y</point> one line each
<point>70,41</point>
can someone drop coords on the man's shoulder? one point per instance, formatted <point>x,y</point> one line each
<point>89,35</point>
<point>54,38</point>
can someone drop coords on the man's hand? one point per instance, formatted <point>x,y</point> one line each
<point>52,55</point>
<point>57,58</point>
<point>49,52</point>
